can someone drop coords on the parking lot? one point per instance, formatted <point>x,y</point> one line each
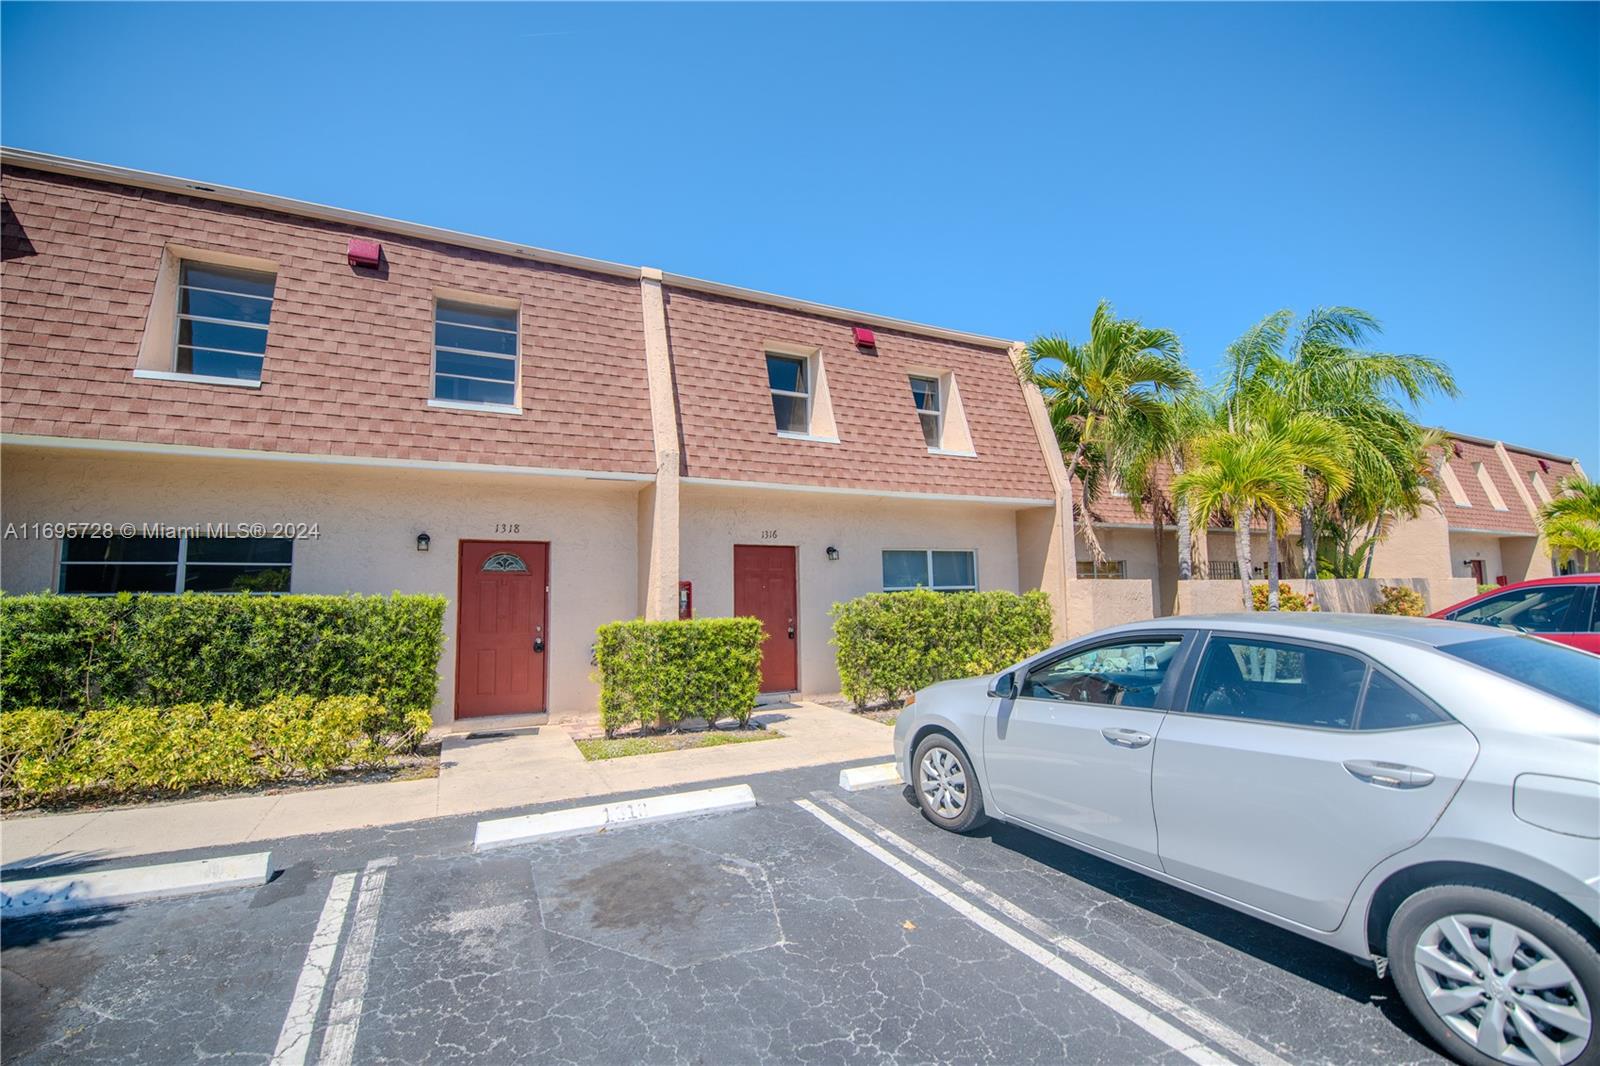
<point>819,926</point>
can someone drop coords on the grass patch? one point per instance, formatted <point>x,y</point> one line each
<point>621,747</point>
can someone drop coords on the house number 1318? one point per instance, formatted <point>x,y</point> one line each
<point>508,527</point>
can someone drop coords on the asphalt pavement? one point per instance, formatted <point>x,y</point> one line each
<point>819,927</point>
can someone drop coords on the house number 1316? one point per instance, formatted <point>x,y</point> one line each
<point>769,534</point>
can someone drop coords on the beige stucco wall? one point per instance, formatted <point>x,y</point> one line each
<point>1416,547</point>
<point>369,520</point>
<point>1097,604</point>
<point>1351,595</point>
<point>1465,546</point>
<point>715,519</point>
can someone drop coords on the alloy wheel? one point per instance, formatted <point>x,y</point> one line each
<point>1502,990</point>
<point>943,783</point>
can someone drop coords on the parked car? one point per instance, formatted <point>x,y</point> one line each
<point>1420,794</point>
<point>1565,609</point>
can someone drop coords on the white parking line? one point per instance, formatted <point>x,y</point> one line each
<point>294,1040</point>
<point>344,1016</point>
<point>1190,1047</point>
<point>1157,996</point>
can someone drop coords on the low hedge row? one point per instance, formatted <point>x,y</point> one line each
<point>76,653</point>
<point>50,755</point>
<point>892,643</point>
<point>659,673</point>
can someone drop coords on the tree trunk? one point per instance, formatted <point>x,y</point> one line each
<point>1185,544</point>
<point>1272,561</point>
<point>1308,537</point>
<point>1372,547</point>
<point>1241,541</point>
<point>1083,521</point>
<point>1155,523</point>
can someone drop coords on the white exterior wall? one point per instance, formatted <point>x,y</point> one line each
<point>714,519</point>
<point>369,520</point>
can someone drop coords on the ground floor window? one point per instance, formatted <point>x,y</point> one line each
<point>942,571</point>
<point>1111,568</point>
<point>101,566</point>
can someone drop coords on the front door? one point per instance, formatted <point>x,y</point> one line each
<point>1071,754</point>
<point>764,588</point>
<point>500,629</point>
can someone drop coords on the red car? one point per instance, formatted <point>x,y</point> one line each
<point>1565,609</point>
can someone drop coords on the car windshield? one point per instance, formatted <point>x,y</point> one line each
<point>1563,672</point>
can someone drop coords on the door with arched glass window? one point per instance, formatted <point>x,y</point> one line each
<point>500,627</point>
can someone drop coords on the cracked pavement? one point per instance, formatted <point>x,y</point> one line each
<point>751,937</point>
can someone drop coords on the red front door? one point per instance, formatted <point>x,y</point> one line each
<point>763,587</point>
<point>500,630</point>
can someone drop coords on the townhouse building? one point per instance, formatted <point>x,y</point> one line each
<point>212,389</point>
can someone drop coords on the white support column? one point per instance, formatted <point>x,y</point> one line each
<point>658,505</point>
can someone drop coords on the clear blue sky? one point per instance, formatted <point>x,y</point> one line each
<point>996,169</point>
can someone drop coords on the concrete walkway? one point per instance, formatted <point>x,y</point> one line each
<point>525,766</point>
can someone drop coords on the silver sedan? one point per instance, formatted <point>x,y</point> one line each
<point>1420,794</point>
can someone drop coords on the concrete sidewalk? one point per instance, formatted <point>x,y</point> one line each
<point>538,764</point>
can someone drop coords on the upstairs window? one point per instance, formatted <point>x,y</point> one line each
<point>942,571</point>
<point>475,354</point>
<point>790,383</point>
<point>103,566</point>
<point>222,321</point>
<point>925,394</point>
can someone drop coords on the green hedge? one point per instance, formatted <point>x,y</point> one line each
<point>75,653</point>
<point>50,755</point>
<point>659,673</point>
<point>892,643</point>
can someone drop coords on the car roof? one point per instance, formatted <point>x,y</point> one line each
<point>1322,625</point>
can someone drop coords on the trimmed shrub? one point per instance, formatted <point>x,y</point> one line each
<point>892,643</point>
<point>76,653</point>
<point>1288,598</point>
<point>1399,599</point>
<point>1486,588</point>
<point>49,755</point>
<point>659,673</point>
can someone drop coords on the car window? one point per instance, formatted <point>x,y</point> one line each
<point>1265,681</point>
<point>1125,675</point>
<point>1542,609</point>
<point>1388,705</point>
<point>1563,672</point>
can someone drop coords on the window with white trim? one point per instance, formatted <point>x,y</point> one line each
<point>1452,484</point>
<point>1111,568</point>
<point>103,566</point>
<point>930,410</point>
<point>474,353</point>
<point>942,571</point>
<point>223,314</point>
<point>789,379</point>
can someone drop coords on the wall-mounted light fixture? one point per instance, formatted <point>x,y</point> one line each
<point>423,540</point>
<point>833,554</point>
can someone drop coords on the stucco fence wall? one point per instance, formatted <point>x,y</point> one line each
<point>1347,595</point>
<point>1093,605</point>
<point>369,520</point>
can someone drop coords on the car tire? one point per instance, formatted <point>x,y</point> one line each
<point>946,786</point>
<point>1474,988</point>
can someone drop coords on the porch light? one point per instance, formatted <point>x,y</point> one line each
<point>423,540</point>
<point>833,554</point>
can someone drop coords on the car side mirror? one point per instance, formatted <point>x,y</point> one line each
<point>1005,686</point>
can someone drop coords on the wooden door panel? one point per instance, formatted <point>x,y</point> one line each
<point>501,620</point>
<point>764,588</point>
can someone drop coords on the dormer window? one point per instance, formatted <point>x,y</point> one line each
<point>925,394</point>
<point>790,382</point>
<point>222,321</point>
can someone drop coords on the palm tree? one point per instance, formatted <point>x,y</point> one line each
<point>1322,367</point>
<point>1142,452</point>
<point>1264,463</point>
<point>1125,370</point>
<point>1571,521</point>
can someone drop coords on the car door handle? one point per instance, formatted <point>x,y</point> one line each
<point>1126,738</point>
<point>1388,774</point>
